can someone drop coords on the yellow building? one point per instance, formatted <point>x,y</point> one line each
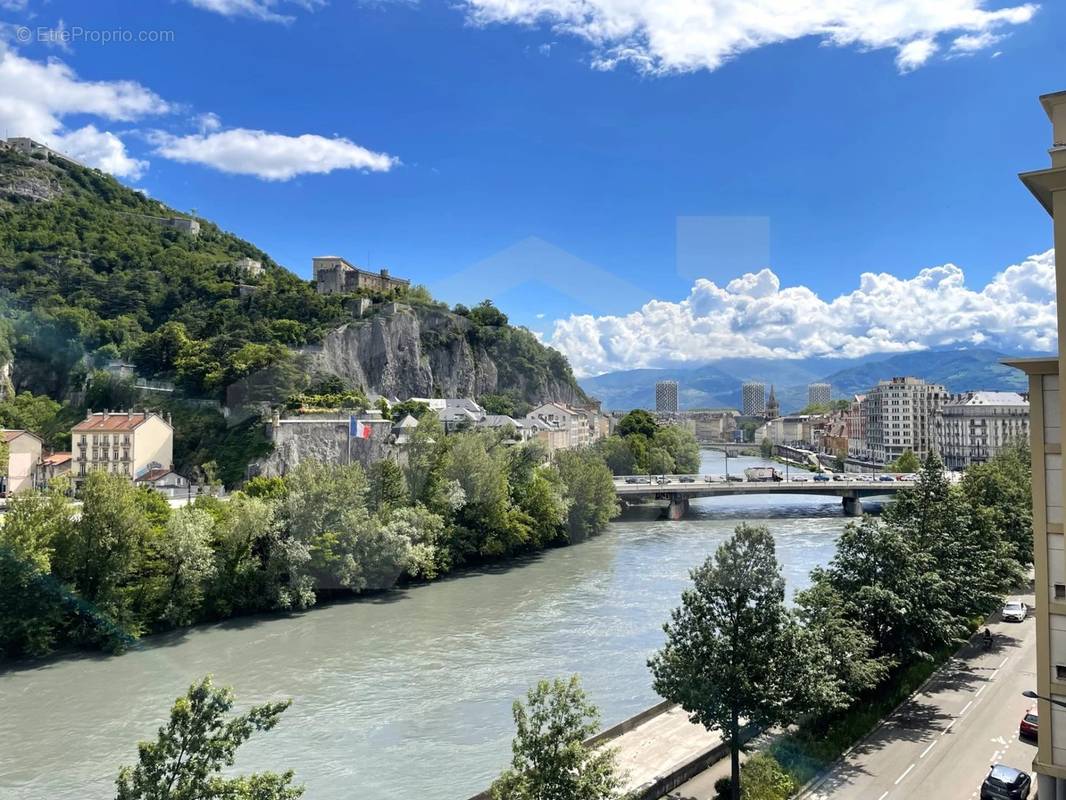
<point>126,442</point>
<point>1047,407</point>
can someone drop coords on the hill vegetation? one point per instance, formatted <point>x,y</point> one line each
<point>90,272</point>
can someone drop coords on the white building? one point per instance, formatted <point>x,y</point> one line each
<point>666,397</point>
<point>130,443</point>
<point>972,427</point>
<point>901,415</point>
<point>753,399</point>
<point>819,394</point>
<point>578,424</point>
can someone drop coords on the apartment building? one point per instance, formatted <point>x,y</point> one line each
<point>900,415</point>
<point>1046,408</point>
<point>666,397</point>
<point>753,399</point>
<point>125,442</point>
<point>819,394</point>
<point>972,427</point>
<point>24,461</point>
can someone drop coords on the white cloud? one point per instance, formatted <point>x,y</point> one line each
<point>754,316</point>
<point>270,156</point>
<point>35,97</point>
<point>970,43</point>
<point>667,36</point>
<point>265,10</point>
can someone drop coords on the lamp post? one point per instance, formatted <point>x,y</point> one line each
<point>1034,696</point>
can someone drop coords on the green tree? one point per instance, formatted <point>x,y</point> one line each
<point>1002,489</point>
<point>34,521</point>
<point>386,488</point>
<point>191,750</point>
<point>250,560</point>
<point>189,560</point>
<point>588,490</point>
<point>659,462</point>
<point>762,778</point>
<point>638,421</point>
<point>415,408</point>
<point>908,462</point>
<point>618,455</point>
<point>681,445</point>
<point>550,760</point>
<point>766,448</point>
<point>728,654</point>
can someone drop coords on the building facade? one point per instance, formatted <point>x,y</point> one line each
<point>972,427</point>
<point>773,408</point>
<point>666,397</point>
<point>901,415</point>
<point>334,275</point>
<point>752,399</point>
<point>819,394</point>
<point>1047,406</point>
<point>128,443</point>
<point>24,461</point>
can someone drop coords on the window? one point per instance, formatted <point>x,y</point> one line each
<point>1060,672</point>
<point>1060,591</point>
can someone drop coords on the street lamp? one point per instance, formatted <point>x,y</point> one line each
<point>1034,696</point>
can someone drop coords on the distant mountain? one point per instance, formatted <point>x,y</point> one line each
<point>717,384</point>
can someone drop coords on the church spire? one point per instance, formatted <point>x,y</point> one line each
<point>772,407</point>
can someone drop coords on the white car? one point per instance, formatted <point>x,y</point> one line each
<point>1014,611</point>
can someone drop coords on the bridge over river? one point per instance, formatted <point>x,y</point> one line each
<point>674,492</point>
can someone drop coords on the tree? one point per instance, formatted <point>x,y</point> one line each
<point>1002,488</point>
<point>681,444</point>
<point>727,655</point>
<point>192,749</point>
<point>908,462</point>
<point>33,523</point>
<point>386,488</point>
<point>589,492</point>
<point>550,760</point>
<point>415,408</point>
<point>660,462</point>
<point>189,561</point>
<point>637,421</point>
<point>766,448</point>
<point>617,454</point>
<point>250,561</point>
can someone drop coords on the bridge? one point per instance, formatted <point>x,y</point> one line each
<point>678,490</point>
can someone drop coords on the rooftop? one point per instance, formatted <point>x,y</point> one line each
<point>113,421</point>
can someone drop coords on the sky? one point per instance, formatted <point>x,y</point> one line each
<point>642,184</point>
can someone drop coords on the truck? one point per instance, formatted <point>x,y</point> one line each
<point>762,474</point>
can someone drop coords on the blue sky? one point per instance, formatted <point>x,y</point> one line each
<point>479,128</point>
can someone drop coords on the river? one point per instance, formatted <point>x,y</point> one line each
<point>407,694</point>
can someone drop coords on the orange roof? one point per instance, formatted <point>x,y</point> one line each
<point>156,474</point>
<point>112,421</point>
<point>55,459</point>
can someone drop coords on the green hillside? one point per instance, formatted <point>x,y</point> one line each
<point>90,272</point>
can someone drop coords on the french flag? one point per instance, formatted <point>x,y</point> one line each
<point>357,430</point>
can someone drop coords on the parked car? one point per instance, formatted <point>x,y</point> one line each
<point>1029,727</point>
<point>821,476</point>
<point>888,478</point>
<point>1014,611</point>
<point>1006,783</point>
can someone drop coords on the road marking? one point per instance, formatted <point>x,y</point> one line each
<point>978,692</point>
<point>966,708</point>
<point>1003,662</point>
<point>948,728</point>
<point>998,740</point>
<point>883,796</point>
<point>995,672</point>
<point>925,752</point>
<point>906,772</point>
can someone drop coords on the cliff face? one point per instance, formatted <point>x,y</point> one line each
<point>408,351</point>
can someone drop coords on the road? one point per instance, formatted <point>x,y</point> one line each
<point>942,741</point>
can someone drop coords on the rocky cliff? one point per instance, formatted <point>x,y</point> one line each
<point>420,351</point>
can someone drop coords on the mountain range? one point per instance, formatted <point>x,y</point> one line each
<point>716,384</point>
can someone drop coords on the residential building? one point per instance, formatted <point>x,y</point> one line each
<point>972,427</point>
<point>23,461</point>
<point>900,416</point>
<point>168,482</point>
<point>666,397</point>
<point>713,424</point>
<point>1046,408</point>
<point>790,430</point>
<point>753,399</point>
<point>855,427</point>
<point>129,443</point>
<point>819,394</point>
<point>249,267</point>
<point>334,275</point>
<point>403,430</point>
<point>577,423</point>
<point>54,465</point>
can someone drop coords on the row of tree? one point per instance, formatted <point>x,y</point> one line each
<point>125,563</point>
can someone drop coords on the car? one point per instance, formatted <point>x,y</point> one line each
<point>888,478</point>
<point>688,478</point>
<point>632,479</point>
<point>734,479</point>
<point>663,481</point>
<point>839,477</point>
<point>799,479</point>
<point>821,476</point>
<point>1014,611</point>
<point>1006,783</point>
<point>1029,727</point>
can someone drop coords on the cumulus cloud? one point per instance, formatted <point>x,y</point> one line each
<point>685,35</point>
<point>270,156</point>
<point>754,316</point>
<point>264,10</point>
<point>35,97</point>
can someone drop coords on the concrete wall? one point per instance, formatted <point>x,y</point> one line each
<point>153,443</point>
<point>326,440</point>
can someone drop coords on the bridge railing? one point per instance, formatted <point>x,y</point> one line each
<point>739,477</point>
